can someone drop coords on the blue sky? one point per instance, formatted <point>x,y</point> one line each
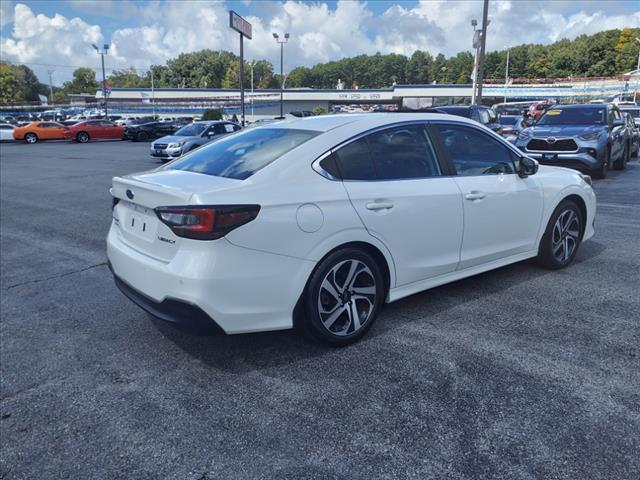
<point>141,33</point>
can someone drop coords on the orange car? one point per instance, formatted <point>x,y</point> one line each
<point>40,131</point>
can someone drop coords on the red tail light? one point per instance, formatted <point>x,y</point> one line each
<point>206,223</point>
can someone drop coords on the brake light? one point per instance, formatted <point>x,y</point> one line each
<point>206,223</point>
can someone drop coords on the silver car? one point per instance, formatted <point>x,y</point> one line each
<point>191,137</point>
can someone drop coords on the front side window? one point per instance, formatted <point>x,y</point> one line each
<point>475,153</point>
<point>240,156</point>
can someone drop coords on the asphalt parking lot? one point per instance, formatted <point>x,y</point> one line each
<point>519,373</point>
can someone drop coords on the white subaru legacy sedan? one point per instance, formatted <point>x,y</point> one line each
<point>315,223</point>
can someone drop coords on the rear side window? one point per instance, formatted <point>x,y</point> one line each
<point>240,156</point>
<point>475,153</point>
<point>355,162</point>
<point>403,152</point>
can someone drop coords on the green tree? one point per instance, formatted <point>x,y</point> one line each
<point>627,50</point>
<point>212,114</point>
<point>128,78</point>
<point>11,90</point>
<point>84,81</point>
<point>420,68</point>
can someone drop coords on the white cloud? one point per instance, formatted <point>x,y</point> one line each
<point>319,32</point>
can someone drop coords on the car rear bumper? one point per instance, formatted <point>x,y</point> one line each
<point>244,290</point>
<point>169,310</point>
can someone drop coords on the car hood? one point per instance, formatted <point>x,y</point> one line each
<point>564,130</point>
<point>175,139</point>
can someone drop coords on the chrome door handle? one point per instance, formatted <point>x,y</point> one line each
<point>474,195</point>
<point>379,205</point>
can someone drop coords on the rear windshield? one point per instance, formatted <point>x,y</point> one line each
<point>574,116</point>
<point>242,154</point>
<point>508,120</point>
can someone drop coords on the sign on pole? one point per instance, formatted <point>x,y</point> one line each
<point>240,25</point>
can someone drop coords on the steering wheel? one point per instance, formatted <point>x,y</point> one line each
<point>497,168</point>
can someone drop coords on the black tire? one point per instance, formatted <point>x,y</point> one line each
<point>142,136</point>
<point>335,326</point>
<point>31,138</point>
<point>554,252</point>
<point>82,137</point>
<point>621,163</point>
<point>602,171</point>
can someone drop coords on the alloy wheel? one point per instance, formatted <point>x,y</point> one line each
<point>347,297</point>
<point>30,138</point>
<point>566,234</point>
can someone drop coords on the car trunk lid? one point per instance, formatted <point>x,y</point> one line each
<point>139,194</point>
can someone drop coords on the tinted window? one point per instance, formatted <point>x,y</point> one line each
<point>475,153</point>
<point>354,161</point>
<point>574,116</point>
<point>402,152</point>
<point>240,156</point>
<point>219,128</point>
<point>329,165</point>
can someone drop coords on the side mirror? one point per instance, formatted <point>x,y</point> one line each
<point>528,166</point>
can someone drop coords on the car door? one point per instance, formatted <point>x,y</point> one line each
<point>502,211</point>
<point>400,192</point>
<point>50,131</point>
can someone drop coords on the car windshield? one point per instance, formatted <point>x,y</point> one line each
<point>574,116</point>
<point>240,155</point>
<point>191,130</point>
<point>504,120</point>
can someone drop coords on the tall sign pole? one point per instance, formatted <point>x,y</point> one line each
<point>483,42</point>
<point>240,25</point>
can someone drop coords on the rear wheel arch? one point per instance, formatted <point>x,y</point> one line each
<point>369,248</point>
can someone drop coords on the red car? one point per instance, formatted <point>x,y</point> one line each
<point>82,132</point>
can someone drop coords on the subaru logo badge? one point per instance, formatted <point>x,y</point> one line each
<point>130,194</point>
<point>551,140</point>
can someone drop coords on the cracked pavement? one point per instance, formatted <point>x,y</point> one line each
<point>519,373</point>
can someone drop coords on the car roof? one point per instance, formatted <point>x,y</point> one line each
<point>324,123</point>
<point>579,106</point>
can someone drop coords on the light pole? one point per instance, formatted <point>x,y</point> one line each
<point>102,53</point>
<point>281,42</point>
<point>476,46</point>
<point>506,78</point>
<point>253,62</point>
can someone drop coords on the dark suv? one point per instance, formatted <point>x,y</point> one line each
<point>590,138</point>
<point>481,114</point>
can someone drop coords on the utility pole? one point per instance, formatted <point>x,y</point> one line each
<point>281,42</point>
<point>50,72</point>
<point>153,95</point>
<point>483,42</point>
<point>102,53</point>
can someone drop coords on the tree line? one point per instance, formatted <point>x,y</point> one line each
<point>603,54</point>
